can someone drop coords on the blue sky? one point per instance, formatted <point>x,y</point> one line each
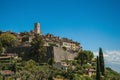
<point>93,23</point>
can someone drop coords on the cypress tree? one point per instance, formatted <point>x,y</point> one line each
<point>101,58</point>
<point>98,69</point>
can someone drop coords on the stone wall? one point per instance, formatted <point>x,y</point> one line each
<point>52,52</point>
<point>21,51</point>
<point>60,54</point>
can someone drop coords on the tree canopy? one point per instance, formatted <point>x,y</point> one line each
<point>84,56</point>
<point>38,50</point>
<point>7,39</point>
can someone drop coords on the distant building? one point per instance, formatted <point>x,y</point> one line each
<point>37,28</point>
<point>90,72</point>
<point>64,42</point>
<point>25,38</point>
<point>6,73</point>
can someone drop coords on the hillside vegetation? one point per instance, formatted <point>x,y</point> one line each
<point>84,67</point>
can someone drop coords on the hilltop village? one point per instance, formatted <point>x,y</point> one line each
<point>25,38</point>
<point>34,56</point>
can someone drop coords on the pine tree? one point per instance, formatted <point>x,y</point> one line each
<point>98,69</point>
<point>101,58</point>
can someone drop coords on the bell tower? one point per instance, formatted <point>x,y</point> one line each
<point>37,28</point>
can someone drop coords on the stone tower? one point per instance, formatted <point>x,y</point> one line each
<point>37,28</point>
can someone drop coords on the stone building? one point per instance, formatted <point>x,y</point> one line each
<point>37,28</point>
<point>61,42</point>
<point>25,38</point>
<point>55,51</point>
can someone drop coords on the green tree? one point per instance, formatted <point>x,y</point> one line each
<point>87,66</point>
<point>30,65</point>
<point>34,71</point>
<point>53,44</point>
<point>1,48</point>
<point>89,54</point>
<point>81,57</point>
<point>98,69</point>
<point>84,56</point>
<point>101,58</point>
<point>38,50</point>
<point>64,48</point>
<point>7,40</point>
<point>51,61</point>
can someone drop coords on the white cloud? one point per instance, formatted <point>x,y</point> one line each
<point>96,54</point>
<point>111,58</point>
